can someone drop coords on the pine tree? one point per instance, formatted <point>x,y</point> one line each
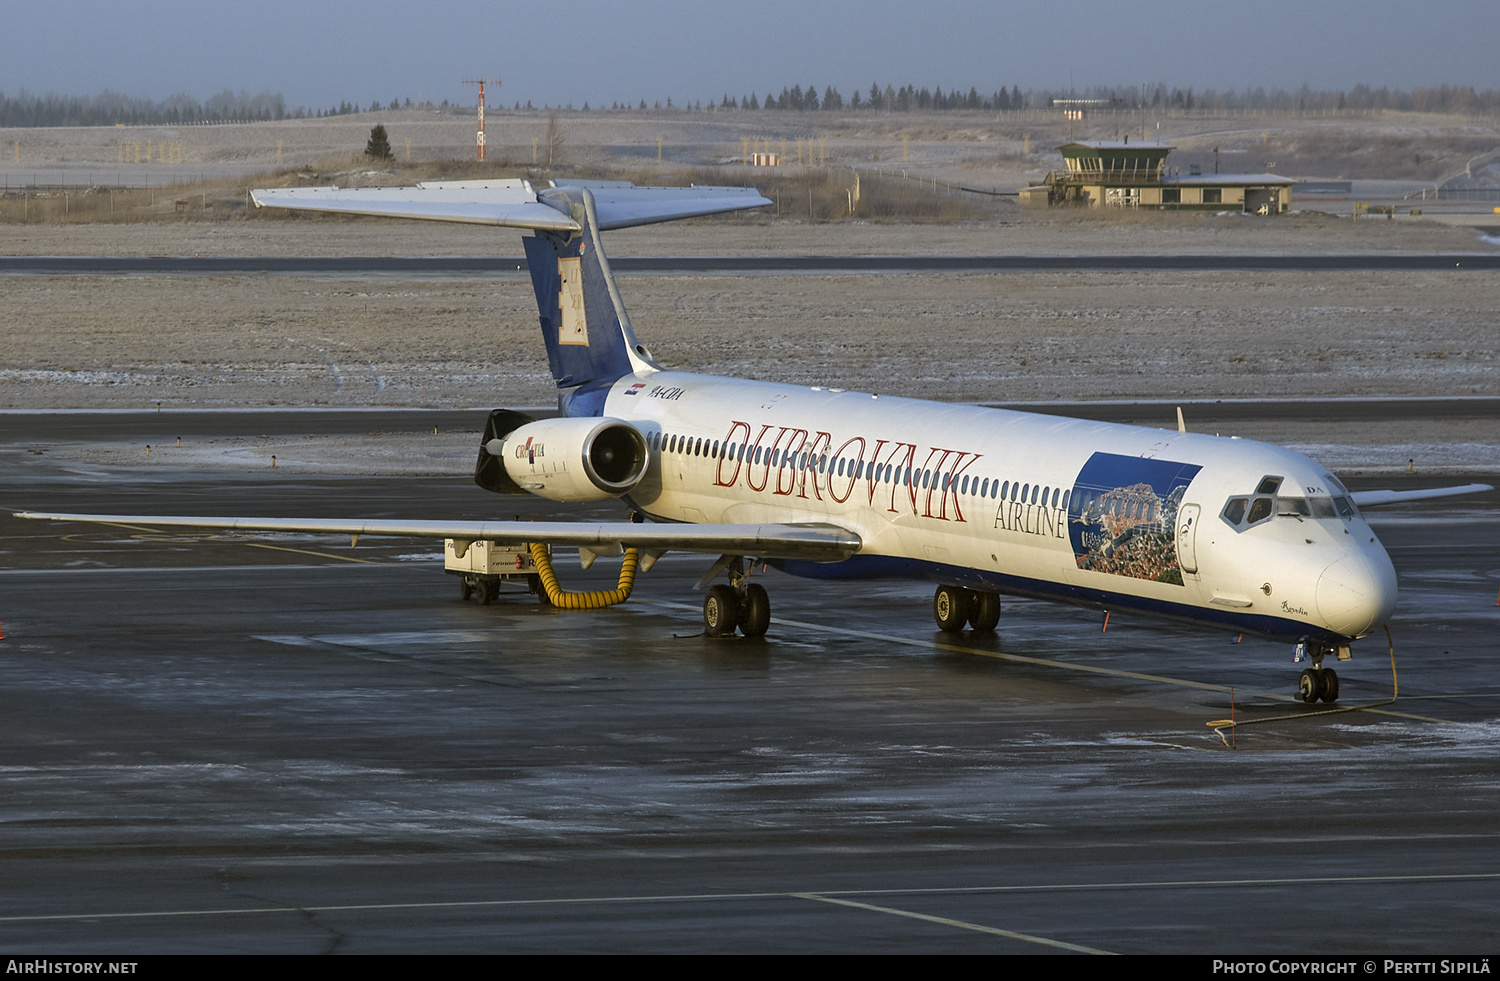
<point>379,147</point>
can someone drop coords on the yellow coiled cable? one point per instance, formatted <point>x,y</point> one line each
<point>564,600</point>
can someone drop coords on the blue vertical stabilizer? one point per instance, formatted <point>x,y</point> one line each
<point>590,343</point>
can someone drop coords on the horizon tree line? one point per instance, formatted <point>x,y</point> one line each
<point>110,108</point>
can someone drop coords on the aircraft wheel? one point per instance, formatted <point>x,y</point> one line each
<point>755,611</point>
<point>1330,685</point>
<point>1310,685</point>
<point>950,608</point>
<point>720,611</point>
<point>984,610</point>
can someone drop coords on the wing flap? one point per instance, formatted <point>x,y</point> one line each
<point>819,542</point>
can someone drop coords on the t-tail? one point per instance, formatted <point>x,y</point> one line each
<point>590,342</point>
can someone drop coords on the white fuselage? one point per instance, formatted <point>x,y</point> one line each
<point>1105,515</point>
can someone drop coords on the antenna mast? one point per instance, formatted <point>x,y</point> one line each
<point>479,138</point>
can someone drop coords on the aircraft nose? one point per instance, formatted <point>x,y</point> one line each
<point>1357,593</point>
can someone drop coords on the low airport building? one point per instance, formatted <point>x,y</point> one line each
<point>1135,175</point>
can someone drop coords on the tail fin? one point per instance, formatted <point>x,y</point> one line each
<point>590,342</point>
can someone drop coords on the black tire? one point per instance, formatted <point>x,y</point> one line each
<point>950,608</point>
<point>1310,685</point>
<point>755,611</point>
<point>984,611</point>
<point>721,611</point>
<point>1330,685</point>
<point>465,590</point>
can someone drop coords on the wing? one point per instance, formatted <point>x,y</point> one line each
<point>1374,498</point>
<point>514,203</point>
<point>818,542</point>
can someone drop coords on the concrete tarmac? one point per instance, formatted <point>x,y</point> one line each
<point>288,745</point>
<point>804,264</point>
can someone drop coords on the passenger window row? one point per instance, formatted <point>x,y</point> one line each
<point>886,473</point>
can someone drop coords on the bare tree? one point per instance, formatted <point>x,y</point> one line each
<point>555,140</point>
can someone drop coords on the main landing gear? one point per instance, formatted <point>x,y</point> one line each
<point>740,604</point>
<point>954,606</point>
<point>1317,683</point>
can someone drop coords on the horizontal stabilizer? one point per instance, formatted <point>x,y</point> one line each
<point>515,203</point>
<point>1369,499</point>
<point>508,203</point>
<point>818,542</point>
<point>621,204</point>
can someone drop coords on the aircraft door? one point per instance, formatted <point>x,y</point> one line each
<point>1187,536</point>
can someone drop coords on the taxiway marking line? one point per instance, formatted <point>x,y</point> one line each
<point>742,896</point>
<point>1163,679</point>
<point>321,555</point>
<point>147,569</point>
<point>961,924</point>
<point>146,533</point>
<point>1045,662</point>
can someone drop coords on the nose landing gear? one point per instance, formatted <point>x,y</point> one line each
<point>1318,683</point>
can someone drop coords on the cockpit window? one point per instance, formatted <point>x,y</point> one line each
<point>1260,509</point>
<point>1293,507</point>
<point>1243,512</point>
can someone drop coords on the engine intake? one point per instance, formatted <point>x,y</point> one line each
<point>574,459</point>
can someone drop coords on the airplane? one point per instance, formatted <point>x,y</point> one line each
<point>820,482</point>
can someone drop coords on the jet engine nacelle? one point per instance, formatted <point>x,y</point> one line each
<point>588,459</point>
<point>489,470</point>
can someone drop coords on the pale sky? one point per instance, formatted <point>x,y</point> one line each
<point>320,52</point>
